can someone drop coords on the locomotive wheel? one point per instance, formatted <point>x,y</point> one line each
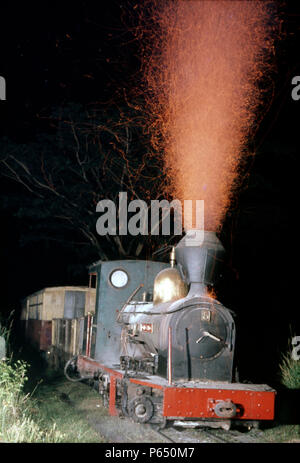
<point>141,409</point>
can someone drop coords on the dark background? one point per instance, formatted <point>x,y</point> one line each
<point>57,52</point>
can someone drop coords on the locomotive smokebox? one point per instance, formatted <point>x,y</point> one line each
<point>200,256</point>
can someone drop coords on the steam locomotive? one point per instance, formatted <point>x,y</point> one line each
<point>159,347</point>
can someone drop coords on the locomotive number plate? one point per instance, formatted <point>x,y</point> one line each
<point>205,315</point>
<point>146,327</point>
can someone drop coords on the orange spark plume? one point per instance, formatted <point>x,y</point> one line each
<point>204,77</point>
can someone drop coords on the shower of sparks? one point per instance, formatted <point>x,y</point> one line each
<point>206,80</point>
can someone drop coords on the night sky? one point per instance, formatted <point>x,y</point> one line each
<point>53,53</point>
<point>56,53</point>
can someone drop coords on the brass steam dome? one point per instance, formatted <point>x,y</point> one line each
<point>168,286</point>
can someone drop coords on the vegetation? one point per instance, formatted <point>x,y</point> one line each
<point>290,371</point>
<point>46,415</point>
<point>73,407</point>
<point>5,331</point>
<point>16,408</point>
<point>283,433</point>
<point>41,410</point>
<point>288,428</point>
<point>89,153</point>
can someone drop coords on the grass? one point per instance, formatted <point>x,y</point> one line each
<point>55,412</point>
<point>289,367</point>
<point>290,372</point>
<point>37,406</point>
<point>70,406</point>
<point>283,433</point>
<point>16,420</point>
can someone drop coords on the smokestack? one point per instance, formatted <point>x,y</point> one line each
<point>200,255</point>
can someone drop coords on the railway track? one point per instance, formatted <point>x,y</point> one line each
<point>116,429</point>
<point>204,435</point>
<point>124,430</point>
